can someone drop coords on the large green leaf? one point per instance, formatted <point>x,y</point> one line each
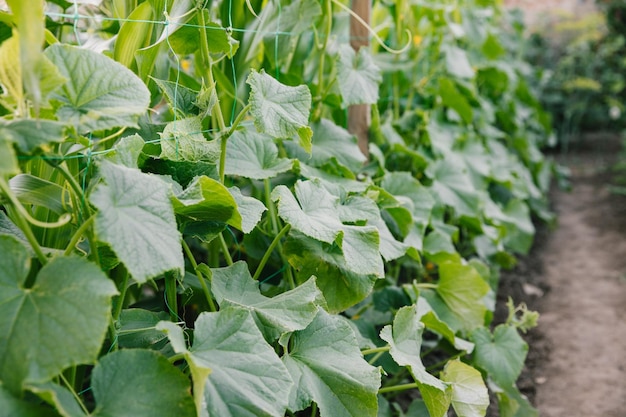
<point>287,312</point>
<point>315,212</point>
<point>279,110</point>
<point>235,372</point>
<point>137,328</point>
<point>135,217</point>
<point>30,189</point>
<point>325,361</point>
<point>182,100</point>
<point>30,134</point>
<point>254,155</point>
<point>100,94</point>
<point>358,76</point>
<point>457,62</point>
<point>405,339</point>
<point>140,383</point>
<point>59,322</point>
<point>182,140</point>
<point>341,287</point>
<point>502,354</point>
<point>462,289</point>
<point>452,97</point>
<point>59,397</point>
<point>11,406</point>
<point>452,186</point>
<point>469,393</point>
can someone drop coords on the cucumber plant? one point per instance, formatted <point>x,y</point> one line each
<point>187,227</point>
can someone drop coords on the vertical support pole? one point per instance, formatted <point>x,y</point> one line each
<point>359,115</point>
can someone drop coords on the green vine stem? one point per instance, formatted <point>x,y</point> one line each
<point>401,387</point>
<point>375,350</point>
<point>270,250</point>
<point>171,295</point>
<point>70,387</point>
<point>119,304</point>
<point>275,229</point>
<point>22,223</point>
<point>77,235</point>
<point>194,264</point>
<point>225,252</point>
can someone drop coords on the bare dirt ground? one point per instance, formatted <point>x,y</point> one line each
<point>576,278</point>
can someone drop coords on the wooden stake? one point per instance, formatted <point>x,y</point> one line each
<point>359,115</point>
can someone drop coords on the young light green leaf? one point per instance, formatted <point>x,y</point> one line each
<point>136,218</point>
<point>358,77</point>
<point>462,289</point>
<point>250,209</point>
<point>124,380</point>
<point>100,94</point>
<point>11,406</point>
<point>469,393</point>
<point>207,200</point>
<point>182,140</point>
<point>279,110</point>
<point>67,290</point>
<point>327,364</point>
<point>341,287</point>
<point>254,155</point>
<point>501,355</point>
<point>405,339</point>
<point>293,310</point>
<point>235,372</point>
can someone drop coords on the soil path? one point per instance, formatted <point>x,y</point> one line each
<point>583,313</point>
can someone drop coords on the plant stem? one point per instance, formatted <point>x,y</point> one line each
<point>120,299</point>
<point>425,285</point>
<point>77,235</point>
<point>22,223</point>
<point>171,296</point>
<point>401,387</point>
<point>270,205</point>
<point>194,264</point>
<point>270,250</point>
<point>70,387</point>
<point>229,259</point>
<point>375,350</point>
<point>176,357</point>
<point>314,409</point>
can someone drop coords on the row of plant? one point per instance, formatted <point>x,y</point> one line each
<point>188,228</point>
<point>582,60</point>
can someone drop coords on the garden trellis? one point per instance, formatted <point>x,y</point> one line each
<point>188,220</point>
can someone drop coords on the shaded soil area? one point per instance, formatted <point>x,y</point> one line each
<point>575,276</point>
